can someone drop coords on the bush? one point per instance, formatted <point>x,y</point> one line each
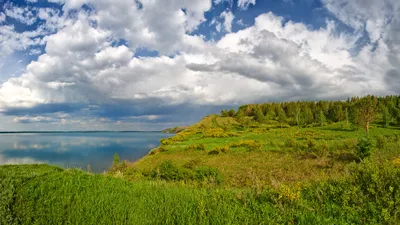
<point>214,152</point>
<point>250,144</point>
<point>218,133</point>
<point>350,143</point>
<point>158,149</point>
<point>381,142</point>
<point>196,147</point>
<point>168,171</point>
<point>364,148</point>
<point>212,175</point>
<point>192,164</point>
<point>290,142</point>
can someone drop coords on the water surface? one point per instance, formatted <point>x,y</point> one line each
<point>77,149</point>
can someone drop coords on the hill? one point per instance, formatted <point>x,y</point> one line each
<point>326,162</point>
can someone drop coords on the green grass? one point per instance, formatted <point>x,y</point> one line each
<point>41,194</point>
<point>271,154</point>
<point>262,174</point>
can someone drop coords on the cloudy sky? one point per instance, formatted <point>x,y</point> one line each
<point>151,64</point>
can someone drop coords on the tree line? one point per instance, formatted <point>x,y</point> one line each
<point>356,110</point>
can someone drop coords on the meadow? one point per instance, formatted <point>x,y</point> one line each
<point>244,167</point>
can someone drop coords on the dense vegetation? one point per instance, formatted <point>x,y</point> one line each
<point>327,162</point>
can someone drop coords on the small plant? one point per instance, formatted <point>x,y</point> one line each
<point>116,159</point>
<point>290,142</point>
<point>381,142</point>
<point>214,152</point>
<point>169,171</point>
<point>350,143</point>
<point>364,148</point>
<point>196,147</point>
<point>192,164</point>
<point>212,175</point>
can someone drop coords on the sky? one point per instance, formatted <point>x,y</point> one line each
<point>153,64</point>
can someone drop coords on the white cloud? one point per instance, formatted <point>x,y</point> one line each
<point>244,4</point>
<point>2,17</point>
<point>228,17</point>
<point>25,15</point>
<point>273,59</point>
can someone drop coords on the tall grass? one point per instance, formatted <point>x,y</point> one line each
<point>370,194</point>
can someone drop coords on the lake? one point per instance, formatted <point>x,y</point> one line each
<point>76,149</point>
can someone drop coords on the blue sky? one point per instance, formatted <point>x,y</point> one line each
<point>148,65</point>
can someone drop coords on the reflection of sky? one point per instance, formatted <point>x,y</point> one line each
<point>76,149</point>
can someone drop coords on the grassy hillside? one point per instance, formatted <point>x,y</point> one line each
<point>278,163</point>
<point>267,154</point>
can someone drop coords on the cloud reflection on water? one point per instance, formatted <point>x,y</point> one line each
<point>76,149</point>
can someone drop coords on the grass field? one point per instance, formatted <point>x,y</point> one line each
<point>40,194</point>
<point>219,172</point>
<point>268,154</point>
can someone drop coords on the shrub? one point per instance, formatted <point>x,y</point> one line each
<point>250,144</point>
<point>158,149</point>
<point>214,152</point>
<point>116,159</point>
<point>192,164</point>
<point>196,147</point>
<point>290,142</point>
<point>350,143</point>
<point>218,133</point>
<point>217,150</point>
<point>168,171</point>
<point>205,173</point>
<point>364,148</point>
<point>311,144</point>
<point>381,142</point>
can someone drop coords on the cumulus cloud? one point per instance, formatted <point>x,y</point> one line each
<point>244,4</point>
<point>2,17</point>
<point>85,74</point>
<point>228,17</point>
<point>25,15</point>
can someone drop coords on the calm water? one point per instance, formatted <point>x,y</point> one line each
<point>76,149</point>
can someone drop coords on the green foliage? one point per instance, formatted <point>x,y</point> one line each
<point>196,147</point>
<point>381,142</point>
<point>370,194</point>
<point>364,148</point>
<point>290,142</point>
<point>116,159</point>
<point>192,164</point>
<point>218,133</point>
<point>211,175</point>
<point>170,172</point>
<point>251,145</point>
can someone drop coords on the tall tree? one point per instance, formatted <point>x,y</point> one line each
<point>321,118</point>
<point>367,111</point>
<point>297,113</point>
<point>346,117</point>
<point>282,116</point>
<point>386,117</point>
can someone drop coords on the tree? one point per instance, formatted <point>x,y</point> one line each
<point>339,113</point>
<point>282,116</point>
<point>258,115</point>
<point>386,117</point>
<point>321,118</point>
<point>366,111</point>
<point>346,117</point>
<point>245,121</point>
<point>308,115</point>
<point>297,114</point>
